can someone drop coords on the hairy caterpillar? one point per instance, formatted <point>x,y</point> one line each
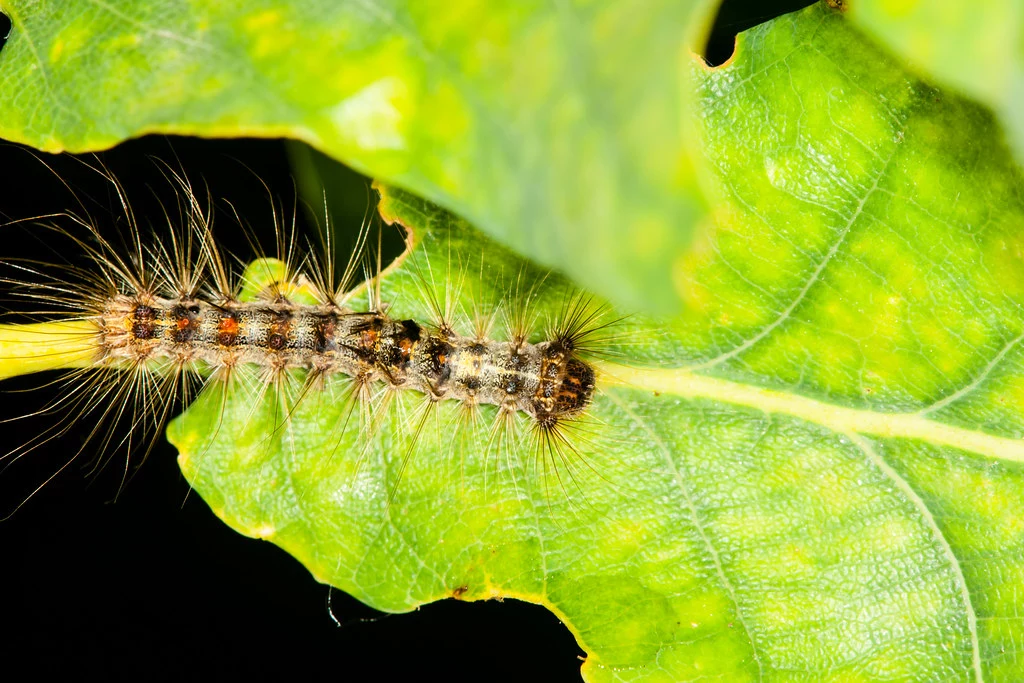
<point>115,583</point>
<point>152,323</point>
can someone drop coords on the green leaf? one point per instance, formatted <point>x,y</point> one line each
<point>977,47</point>
<point>553,126</point>
<point>814,474</point>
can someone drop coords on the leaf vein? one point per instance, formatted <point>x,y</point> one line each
<point>695,520</point>
<point>975,382</point>
<point>912,496</point>
<point>815,276</point>
<point>682,382</point>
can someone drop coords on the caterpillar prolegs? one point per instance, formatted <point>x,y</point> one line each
<point>148,324</point>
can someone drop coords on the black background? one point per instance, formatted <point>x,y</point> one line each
<point>152,586</point>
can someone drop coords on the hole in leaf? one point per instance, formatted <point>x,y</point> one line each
<point>736,16</point>
<point>5,29</point>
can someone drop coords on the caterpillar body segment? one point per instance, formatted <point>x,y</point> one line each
<point>544,380</point>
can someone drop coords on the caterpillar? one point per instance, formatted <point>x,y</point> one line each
<point>149,325</point>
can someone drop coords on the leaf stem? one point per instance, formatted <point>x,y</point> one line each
<point>36,347</point>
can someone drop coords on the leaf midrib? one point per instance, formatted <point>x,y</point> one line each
<point>840,419</point>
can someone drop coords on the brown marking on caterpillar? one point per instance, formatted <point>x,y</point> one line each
<point>185,318</point>
<point>227,329</point>
<point>279,329</point>
<point>142,323</point>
